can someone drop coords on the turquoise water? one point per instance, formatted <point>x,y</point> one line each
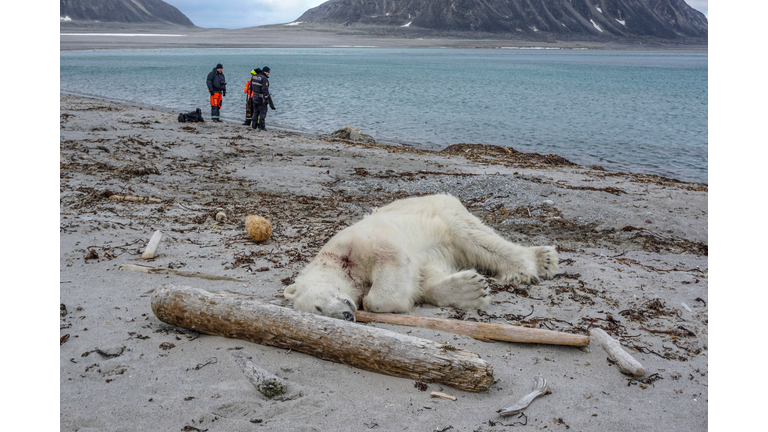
<point>635,111</point>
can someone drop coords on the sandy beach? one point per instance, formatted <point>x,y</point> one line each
<point>633,253</point>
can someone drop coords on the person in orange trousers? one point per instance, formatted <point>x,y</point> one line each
<point>217,87</point>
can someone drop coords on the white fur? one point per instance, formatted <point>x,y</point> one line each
<point>426,249</point>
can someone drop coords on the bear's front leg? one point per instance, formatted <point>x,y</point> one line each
<point>394,283</point>
<point>464,290</point>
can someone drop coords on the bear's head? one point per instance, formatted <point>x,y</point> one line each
<point>321,298</point>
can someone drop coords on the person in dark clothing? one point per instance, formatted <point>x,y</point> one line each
<point>261,98</point>
<point>249,97</point>
<point>217,87</point>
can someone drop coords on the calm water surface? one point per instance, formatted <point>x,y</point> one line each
<point>636,111</point>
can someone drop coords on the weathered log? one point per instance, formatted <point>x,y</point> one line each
<point>373,349</point>
<point>483,331</point>
<point>154,242</point>
<point>626,362</point>
<point>267,383</point>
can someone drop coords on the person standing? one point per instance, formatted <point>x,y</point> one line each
<point>249,97</point>
<point>217,87</point>
<point>260,88</point>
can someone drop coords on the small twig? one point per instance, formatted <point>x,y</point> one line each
<point>211,360</point>
<point>442,396</point>
<point>159,270</point>
<point>681,332</point>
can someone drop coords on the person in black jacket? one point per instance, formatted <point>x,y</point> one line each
<point>217,87</point>
<point>260,99</point>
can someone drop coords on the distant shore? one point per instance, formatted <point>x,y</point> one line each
<point>80,36</point>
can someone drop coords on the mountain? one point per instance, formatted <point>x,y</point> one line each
<point>124,11</point>
<point>538,19</point>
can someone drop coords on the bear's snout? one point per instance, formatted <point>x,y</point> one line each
<point>349,316</point>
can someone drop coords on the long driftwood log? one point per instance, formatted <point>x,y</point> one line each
<point>373,349</point>
<point>483,331</point>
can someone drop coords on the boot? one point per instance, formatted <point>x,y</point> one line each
<point>247,122</point>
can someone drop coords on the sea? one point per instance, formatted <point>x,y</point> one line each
<point>639,111</point>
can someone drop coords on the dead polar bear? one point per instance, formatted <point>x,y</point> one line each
<point>423,249</point>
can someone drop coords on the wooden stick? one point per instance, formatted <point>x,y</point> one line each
<point>626,362</point>
<point>482,331</point>
<point>154,242</point>
<point>442,396</point>
<point>540,386</point>
<point>268,384</point>
<point>370,348</point>
<point>159,270</point>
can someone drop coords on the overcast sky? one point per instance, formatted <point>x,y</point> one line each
<point>234,14</point>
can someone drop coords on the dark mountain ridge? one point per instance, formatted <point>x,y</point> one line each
<point>123,11</point>
<point>535,19</point>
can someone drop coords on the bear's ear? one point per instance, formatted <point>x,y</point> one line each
<point>290,292</point>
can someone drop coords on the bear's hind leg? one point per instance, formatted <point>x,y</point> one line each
<point>546,261</point>
<point>465,290</point>
<point>481,247</point>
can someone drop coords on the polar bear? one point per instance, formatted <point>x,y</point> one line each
<point>416,250</point>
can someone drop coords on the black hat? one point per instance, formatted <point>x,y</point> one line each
<point>265,69</point>
<point>219,66</point>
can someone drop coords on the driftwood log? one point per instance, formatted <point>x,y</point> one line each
<point>616,353</point>
<point>373,349</point>
<point>483,331</point>
<point>267,383</point>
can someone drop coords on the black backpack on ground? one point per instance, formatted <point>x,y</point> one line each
<point>194,116</point>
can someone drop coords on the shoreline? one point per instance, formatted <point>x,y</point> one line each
<point>633,254</point>
<point>404,145</point>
